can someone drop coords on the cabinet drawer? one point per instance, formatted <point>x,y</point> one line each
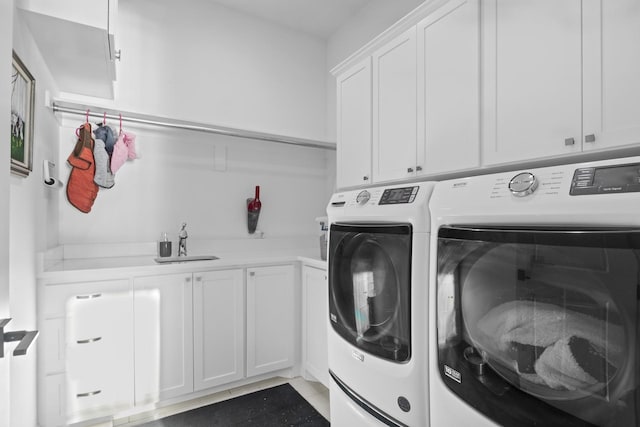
<point>57,300</point>
<point>101,395</point>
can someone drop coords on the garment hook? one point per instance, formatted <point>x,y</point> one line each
<point>104,119</point>
<point>120,122</point>
<point>87,118</point>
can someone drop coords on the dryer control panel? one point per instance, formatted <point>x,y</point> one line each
<point>606,179</point>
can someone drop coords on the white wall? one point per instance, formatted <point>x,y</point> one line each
<point>6,25</point>
<point>199,61</point>
<point>368,23</point>
<point>204,180</point>
<point>34,226</point>
<point>202,62</point>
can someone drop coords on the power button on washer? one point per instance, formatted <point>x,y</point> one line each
<point>523,184</point>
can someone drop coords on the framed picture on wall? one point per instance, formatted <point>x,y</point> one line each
<point>22,101</point>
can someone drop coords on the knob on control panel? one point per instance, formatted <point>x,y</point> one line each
<point>523,184</point>
<point>363,197</point>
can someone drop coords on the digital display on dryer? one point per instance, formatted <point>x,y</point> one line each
<point>604,180</point>
<point>392,196</point>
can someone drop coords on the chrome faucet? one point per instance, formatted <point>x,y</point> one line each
<point>182,240</point>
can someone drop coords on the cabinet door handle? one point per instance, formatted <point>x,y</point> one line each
<point>90,340</point>
<point>187,279</point>
<point>365,178</point>
<point>418,168</point>
<point>88,394</point>
<point>409,170</point>
<point>91,296</point>
<point>198,278</point>
<point>252,273</point>
<point>569,141</point>
<point>590,138</point>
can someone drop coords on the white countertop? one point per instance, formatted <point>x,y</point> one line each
<point>112,267</point>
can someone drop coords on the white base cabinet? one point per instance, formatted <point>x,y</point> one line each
<point>86,356</point>
<point>218,328</point>
<point>315,321</point>
<point>163,336</point>
<point>108,346</point>
<point>270,319</point>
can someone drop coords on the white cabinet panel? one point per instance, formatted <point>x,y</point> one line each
<point>270,319</point>
<point>448,88</point>
<point>611,73</point>
<point>86,351</point>
<point>163,336</point>
<point>532,69</point>
<point>74,32</point>
<point>354,125</point>
<point>394,109</point>
<point>315,323</point>
<point>218,328</point>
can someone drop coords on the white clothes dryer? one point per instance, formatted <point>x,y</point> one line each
<point>535,297</point>
<point>378,279</point>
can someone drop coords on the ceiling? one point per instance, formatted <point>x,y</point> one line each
<point>320,18</point>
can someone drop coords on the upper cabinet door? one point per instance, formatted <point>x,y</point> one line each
<point>394,108</point>
<point>532,101</point>
<point>448,88</point>
<point>354,125</point>
<point>611,73</point>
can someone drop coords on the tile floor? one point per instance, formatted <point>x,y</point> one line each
<point>315,393</point>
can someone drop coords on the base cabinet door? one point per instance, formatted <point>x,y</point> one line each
<point>218,328</point>
<point>315,295</point>
<point>270,319</point>
<point>163,326</point>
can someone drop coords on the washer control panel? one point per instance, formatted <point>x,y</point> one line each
<point>606,179</point>
<point>523,184</point>
<point>394,196</point>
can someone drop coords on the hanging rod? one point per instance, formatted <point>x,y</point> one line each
<point>98,112</point>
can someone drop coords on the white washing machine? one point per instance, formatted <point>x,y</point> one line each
<point>535,297</point>
<point>378,282</point>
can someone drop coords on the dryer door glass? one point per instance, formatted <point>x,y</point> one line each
<point>369,287</point>
<point>540,327</point>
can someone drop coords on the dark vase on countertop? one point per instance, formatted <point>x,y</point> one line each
<point>253,209</point>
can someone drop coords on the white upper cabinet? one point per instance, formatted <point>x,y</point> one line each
<point>77,41</point>
<point>394,109</point>
<point>559,77</point>
<point>354,125</point>
<point>611,73</point>
<point>531,79</point>
<point>448,88</point>
<point>419,111</point>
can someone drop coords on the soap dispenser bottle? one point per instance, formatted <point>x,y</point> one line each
<point>164,246</point>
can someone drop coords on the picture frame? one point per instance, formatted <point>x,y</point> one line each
<point>22,118</point>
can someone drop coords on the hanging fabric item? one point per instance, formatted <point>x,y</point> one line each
<point>81,189</point>
<point>124,149</point>
<point>105,133</point>
<point>103,176</point>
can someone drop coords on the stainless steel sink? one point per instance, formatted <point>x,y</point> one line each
<point>164,260</point>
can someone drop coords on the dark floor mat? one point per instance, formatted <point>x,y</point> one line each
<point>276,406</point>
